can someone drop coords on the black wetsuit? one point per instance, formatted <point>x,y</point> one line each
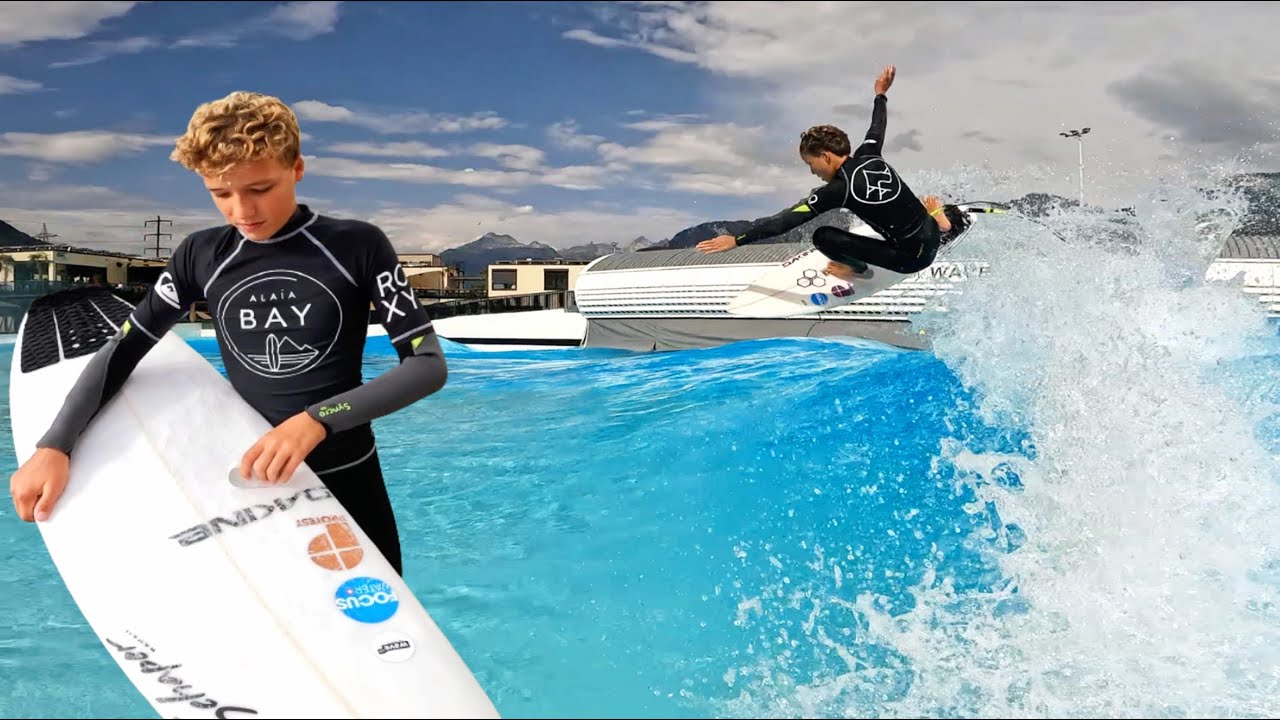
<point>291,315</point>
<point>866,185</point>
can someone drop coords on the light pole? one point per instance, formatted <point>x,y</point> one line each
<point>1079,136</point>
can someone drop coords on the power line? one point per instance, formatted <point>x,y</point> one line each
<point>157,234</point>
<point>45,235</point>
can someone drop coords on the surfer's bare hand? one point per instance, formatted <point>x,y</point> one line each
<point>937,211</point>
<point>38,484</point>
<point>886,79</point>
<point>278,454</point>
<point>718,244</point>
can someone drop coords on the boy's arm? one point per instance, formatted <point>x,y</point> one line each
<point>163,305</point>
<point>873,144</point>
<point>827,197</point>
<point>422,369</point>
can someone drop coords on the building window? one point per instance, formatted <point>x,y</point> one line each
<point>555,279</point>
<point>504,279</point>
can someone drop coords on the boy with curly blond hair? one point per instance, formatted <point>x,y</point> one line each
<point>290,293</point>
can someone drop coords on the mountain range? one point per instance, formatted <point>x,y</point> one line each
<point>11,236</point>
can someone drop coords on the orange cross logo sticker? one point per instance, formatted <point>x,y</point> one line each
<point>336,548</point>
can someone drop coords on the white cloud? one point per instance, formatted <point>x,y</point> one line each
<point>573,177</point>
<point>663,51</point>
<point>735,186</point>
<point>515,157</point>
<point>467,217</point>
<point>568,135</point>
<point>296,21</point>
<point>413,173</point>
<point>98,217</point>
<point>509,156</point>
<point>304,20</point>
<point>520,166</point>
<point>705,147</point>
<point>576,177</point>
<point>10,85</point>
<point>986,84</point>
<point>41,172</point>
<point>392,149</point>
<point>70,198</point>
<point>404,122</point>
<point>92,216</point>
<point>22,22</point>
<point>103,49</point>
<point>681,156</point>
<point>714,159</point>
<point>77,146</point>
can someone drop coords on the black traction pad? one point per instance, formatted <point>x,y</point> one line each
<point>70,323</point>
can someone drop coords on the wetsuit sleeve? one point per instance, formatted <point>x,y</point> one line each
<point>827,197</point>
<point>422,369</point>
<point>161,307</point>
<point>873,143</point>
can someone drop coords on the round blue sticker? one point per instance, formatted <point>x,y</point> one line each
<point>818,298</point>
<point>367,600</point>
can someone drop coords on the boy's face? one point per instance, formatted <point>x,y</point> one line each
<point>258,197</point>
<point>823,165</point>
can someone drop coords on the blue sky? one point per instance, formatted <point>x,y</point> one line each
<point>575,122</point>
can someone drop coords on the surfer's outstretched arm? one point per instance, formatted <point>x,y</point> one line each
<point>873,142</point>
<point>827,197</point>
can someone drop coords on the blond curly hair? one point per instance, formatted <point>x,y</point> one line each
<point>241,127</point>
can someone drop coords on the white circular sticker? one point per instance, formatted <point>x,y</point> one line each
<point>393,647</point>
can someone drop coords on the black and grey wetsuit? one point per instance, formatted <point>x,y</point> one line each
<point>869,187</point>
<point>291,315</point>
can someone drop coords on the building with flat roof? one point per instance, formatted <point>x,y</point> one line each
<point>69,264</point>
<point>525,277</point>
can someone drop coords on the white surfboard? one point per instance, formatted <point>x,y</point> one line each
<point>801,285</point>
<point>218,599</point>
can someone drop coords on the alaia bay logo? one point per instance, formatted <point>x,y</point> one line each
<point>280,323</point>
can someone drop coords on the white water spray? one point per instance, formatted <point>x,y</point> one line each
<point>1148,579</point>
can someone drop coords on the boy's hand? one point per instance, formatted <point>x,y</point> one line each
<point>278,453</point>
<point>720,243</point>
<point>38,484</point>
<point>886,79</point>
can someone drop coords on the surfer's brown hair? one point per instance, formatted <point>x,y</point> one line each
<point>825,138</point>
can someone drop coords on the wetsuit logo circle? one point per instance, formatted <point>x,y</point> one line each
<point>280,323</point>
<point>875,183</point>
<point>366,600</point>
